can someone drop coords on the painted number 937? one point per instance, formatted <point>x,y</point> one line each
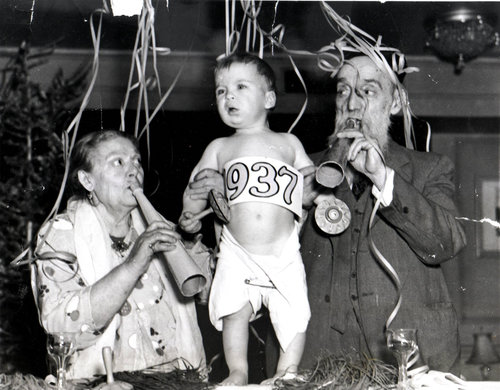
<point>238,175</point>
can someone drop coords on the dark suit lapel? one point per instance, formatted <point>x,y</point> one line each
<point>397,159</point>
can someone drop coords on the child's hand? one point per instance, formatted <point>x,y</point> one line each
<point>188,223</point>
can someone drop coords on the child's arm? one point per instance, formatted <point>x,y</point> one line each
<point>306,166</point>
<point>302,160</point>
<point>190,206</point>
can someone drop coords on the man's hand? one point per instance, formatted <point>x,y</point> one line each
<point>204,181</point>
<point>365,156</point>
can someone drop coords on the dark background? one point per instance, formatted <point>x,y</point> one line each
<point>179,137</point>
<point>198,25</point>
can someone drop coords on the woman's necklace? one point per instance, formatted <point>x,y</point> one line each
<point>122,244</point>
<point>119,245</point>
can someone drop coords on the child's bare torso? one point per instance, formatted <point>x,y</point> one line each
<point>261,228</point>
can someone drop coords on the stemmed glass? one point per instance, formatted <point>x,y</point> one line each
<point>403,344</point>
<point>60,347</point>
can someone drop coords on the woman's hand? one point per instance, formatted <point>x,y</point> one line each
<point>158,237</point>
<point>204,181</point>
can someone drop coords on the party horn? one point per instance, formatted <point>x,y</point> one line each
<point>188,276</point>
<point>331,171</point>
<point>333,215</point>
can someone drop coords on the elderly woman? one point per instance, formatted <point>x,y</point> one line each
<point>97,275</point>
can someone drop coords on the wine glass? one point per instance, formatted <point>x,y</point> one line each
<point>403,344</point>
<point>60,346</point>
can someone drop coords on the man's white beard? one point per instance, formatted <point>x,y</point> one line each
<point>378,130</point>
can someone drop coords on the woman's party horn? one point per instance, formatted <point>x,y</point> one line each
<point>188,276</point>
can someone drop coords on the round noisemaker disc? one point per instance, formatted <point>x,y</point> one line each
<point>332,216</point>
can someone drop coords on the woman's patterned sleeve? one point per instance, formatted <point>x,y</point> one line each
<point>63,297</point>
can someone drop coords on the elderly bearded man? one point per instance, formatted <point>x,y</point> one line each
<point>350,293</point>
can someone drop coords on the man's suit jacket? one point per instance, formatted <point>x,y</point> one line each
<point>415,233</point>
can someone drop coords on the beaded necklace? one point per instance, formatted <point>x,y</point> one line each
<point>119,245</point>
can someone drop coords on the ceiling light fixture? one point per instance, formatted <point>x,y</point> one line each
<point>461,35</point>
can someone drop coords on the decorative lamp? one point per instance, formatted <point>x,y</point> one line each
<point>126,7</point>
<point>461,35</point>
<point>483,353</point>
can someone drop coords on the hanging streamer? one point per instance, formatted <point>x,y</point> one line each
<point>144,47</point>
<point>67,143</point>
<point>329,57</point>
<point>145,41</point>
<point>255,33</point>
<point>379,256</point>
<point>391,271</point>
<point>354,39</point>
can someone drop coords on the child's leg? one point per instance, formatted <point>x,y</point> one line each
<point>235,341</point>
<point>289,360</point>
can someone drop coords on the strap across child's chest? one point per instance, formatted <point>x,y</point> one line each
<point>264,179</point>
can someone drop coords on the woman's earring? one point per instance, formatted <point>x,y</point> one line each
<point>91,198</point>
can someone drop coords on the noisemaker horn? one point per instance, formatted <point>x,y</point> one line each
<point>187,275</point>
<point>331,170</point>
<point>333,215</point>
